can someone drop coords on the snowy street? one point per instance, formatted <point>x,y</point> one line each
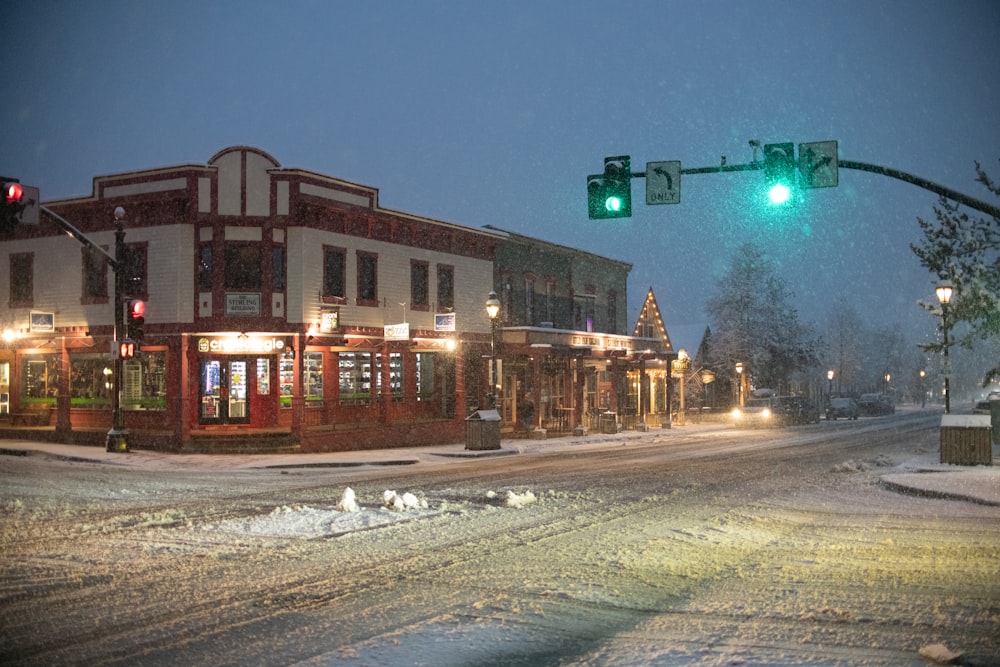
<point>718,547</point>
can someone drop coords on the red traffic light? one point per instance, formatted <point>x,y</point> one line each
<point>13,193</point>
<point>136,308</point>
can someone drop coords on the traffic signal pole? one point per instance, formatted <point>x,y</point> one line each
<point>118,435</point>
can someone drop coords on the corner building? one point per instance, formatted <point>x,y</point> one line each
<point>283,307</point>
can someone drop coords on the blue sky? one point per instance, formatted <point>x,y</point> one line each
<point>494,113</point>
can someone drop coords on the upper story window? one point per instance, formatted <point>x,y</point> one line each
<point>446,286</point>
<point>612,312</point>
<point>278,268</point>
<point>334,272</point>
<point>505,302</point>
<point>367,278</point>
<point>419,288</point>
<point>243,266</point>
<point>550,300</point>
<point>136,281</point>
<point>22,279</point>
<point>95,276</point>
<point>205,267</point>
<point>529,299</point>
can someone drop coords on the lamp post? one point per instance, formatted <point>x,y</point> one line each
<point>680,365</point>
<point>923,391</point>
<point>944,293</point>
<point>829,384</point>
<point>739,383</point>
<point>493,310</point>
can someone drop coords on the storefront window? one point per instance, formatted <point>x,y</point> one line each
<point>312,378</point>
<point>90,381</point>
<point>425,376</point>
<point>355,378</point>
<point>263,376</point>
<point>286,373</point>
<point>395,375</point>
<point>145,384</point>
<point>39,379</point>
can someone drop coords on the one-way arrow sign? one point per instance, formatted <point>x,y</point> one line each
<point>663,182</point>
<point>818,164</point>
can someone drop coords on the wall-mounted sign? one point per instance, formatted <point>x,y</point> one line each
<point>41,322</point>
<point>242,303</point>
<point>444,322</point>
<point>233,344</point>
<point>397,331</point>
<point>329,321</point>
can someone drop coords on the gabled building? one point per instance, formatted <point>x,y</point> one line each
<point>287,305</point>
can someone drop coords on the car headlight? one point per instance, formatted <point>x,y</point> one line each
<point>765,413</point>
<point>737,413</point>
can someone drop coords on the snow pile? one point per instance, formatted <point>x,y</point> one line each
<point>519,500</point>
<point>348,503</point>
<point>401,503</point>
<point>348,516</point>
<point>850,465</point>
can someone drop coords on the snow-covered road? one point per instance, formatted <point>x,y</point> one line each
<point>734,547</point>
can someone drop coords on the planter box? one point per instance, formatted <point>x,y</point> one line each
<point>966,440</point>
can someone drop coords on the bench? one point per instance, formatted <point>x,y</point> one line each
<point>30,418</point>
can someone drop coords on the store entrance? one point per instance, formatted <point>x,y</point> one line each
<point>222,387</point>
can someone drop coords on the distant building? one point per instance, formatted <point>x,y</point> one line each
<point>286,306</point>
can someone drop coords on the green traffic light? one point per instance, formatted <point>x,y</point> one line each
<point>613,204</point>
<point>779,193</point>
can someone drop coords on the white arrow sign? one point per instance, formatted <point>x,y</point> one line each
<point>663,182</point>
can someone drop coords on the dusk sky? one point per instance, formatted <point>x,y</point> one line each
<point>494,113</point>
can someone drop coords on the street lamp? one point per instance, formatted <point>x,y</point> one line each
<point>944,293</point>
<point>829,384</point>
<point>681,365</point>
<point>923,391</point>
<point>739,383</point>
<point>493,310</point>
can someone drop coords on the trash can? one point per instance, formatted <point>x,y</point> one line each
<point>482,430</point>
<point>995,417</point>
<point>609,422</point>
<point>966,440</point>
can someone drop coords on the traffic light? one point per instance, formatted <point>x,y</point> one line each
<point>135,309</point>
<point>13,192</point>
<point>779,172</point>
<point>126,349</point>
<point>11,206</point>
<point>609,195</point>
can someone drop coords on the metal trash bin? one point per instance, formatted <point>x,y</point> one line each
<point>965,440</point>
<point>482,430</point>
<point>608,422</point>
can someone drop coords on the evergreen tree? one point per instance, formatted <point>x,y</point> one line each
<point>755,322</point>
<point>964,251</point>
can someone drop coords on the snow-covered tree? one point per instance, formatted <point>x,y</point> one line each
<point>964,250</point>
<point>754,322</point>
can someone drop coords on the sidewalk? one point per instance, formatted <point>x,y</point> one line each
<point>922,475</point>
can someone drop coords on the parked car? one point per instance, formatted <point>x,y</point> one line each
<point>982,406</point>
<point>873,405</point>
<point>846,408</point>
<point>799,410</point>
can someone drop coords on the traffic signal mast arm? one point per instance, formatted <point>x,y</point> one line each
<point>948,193</point>
<point>71,230</point>
<point>936,188</point>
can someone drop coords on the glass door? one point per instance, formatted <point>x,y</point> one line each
<point>223,392</point>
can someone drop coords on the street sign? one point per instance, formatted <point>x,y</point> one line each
<point>818,164</point>
<point>663,182</point>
